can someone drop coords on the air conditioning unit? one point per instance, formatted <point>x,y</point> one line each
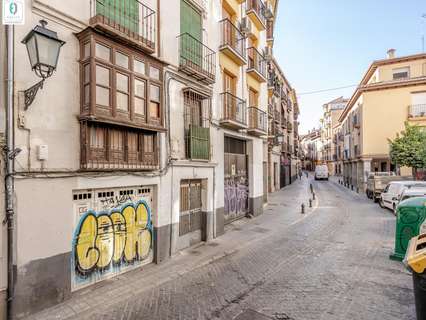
<point>268,53</point>
<point>246,26</point>
<point>268,11</point>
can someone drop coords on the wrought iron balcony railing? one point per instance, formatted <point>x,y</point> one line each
<point>129,19</point>
<point>257,119</point>
<point>270,30</point>
<point>196,59</point>
<point>233,109</point>
<point>257,8</point>
<point>417,111</point>
<point>233,39</point>
<point>256,63</point>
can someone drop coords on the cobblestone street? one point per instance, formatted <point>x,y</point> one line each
<point>331,263</point>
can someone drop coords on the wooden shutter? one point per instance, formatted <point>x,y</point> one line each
<point>123,12</point>
<point>190,20</point>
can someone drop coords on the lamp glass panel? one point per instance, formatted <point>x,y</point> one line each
<point>32,51</point>
<point>48,50</point>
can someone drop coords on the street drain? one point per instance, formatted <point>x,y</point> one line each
<point>252,315</point>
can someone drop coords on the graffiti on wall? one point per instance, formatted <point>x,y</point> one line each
<point>108,241</point>
<point>236,196</point>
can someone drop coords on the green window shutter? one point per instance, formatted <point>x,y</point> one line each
<point>191,40</point>
<point>190,20</point>
<point>122,12</point>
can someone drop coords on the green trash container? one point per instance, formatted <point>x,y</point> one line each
<point>410,222</point>
<point>416,260</point>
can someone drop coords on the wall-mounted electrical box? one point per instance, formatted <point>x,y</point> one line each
<point>42,152</point>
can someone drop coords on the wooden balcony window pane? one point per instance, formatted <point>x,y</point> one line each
<point>148,143</point>
<point>102,76</point>
<point>133,146</point>
<point>139,88</point>
<point>86,50</point>
<point>155,93</point>
<point>154,73</point>
<point>139,97</point>
<point>86,77</point>
<point>122,60</point>
<point>154,105</point>
<point>86,94</point>
<point>122,82</point>
<point>103,52</point>
<point>139,67</point>
<point>154,109</point>
<point>102,96</point>
<point>122,101</point>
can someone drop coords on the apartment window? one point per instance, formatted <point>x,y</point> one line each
<point>122,93</point>
<point>253,98</point>
<point>140,96</point>
<point>103,86</point>
<point>154,105</point>
<point>196,124</point>
<point>401,73</point>
<point>125,87</point>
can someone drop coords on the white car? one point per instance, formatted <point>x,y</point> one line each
<point>412,193</point>
<point>390,196</point>
<point>321,172</point>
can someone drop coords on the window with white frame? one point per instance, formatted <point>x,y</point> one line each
<point>401,73</point>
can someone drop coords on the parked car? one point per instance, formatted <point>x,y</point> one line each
<point>413,192</point>
<point>391,195</point>
<point>377,181</point>
<point>321,172</point>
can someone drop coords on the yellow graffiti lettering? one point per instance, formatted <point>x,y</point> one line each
<point>119,236</point>
<point>111,239</point>
<point>105,241</point>
<point>86,254</point>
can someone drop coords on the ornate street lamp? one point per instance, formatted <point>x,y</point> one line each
<point>43,46</point>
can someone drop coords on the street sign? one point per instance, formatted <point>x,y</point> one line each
<point>13,12</point>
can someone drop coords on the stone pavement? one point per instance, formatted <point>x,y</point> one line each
<point>331,263</point>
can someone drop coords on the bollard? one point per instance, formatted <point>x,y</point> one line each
<point>310,203</point>
<point>313,195</point>
<point>312,188</point>
<point>303,208</point>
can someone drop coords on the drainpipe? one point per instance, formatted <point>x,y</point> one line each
<point>9,183</point>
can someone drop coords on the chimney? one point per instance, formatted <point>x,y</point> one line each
<point>391,53</point>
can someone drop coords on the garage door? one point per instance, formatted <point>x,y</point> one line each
<point>113,233</point>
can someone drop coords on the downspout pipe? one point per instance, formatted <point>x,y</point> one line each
<point>9,182</point>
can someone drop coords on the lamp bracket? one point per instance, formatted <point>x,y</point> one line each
<point>31,93</point>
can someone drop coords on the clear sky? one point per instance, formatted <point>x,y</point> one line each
<point>322,44</point>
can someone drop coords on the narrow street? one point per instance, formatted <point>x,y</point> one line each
<point>331,263</point>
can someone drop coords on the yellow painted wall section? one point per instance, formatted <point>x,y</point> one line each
<point>417,69</point>
<point>231,5</point>
<point>384,114</point>
<point>228,64</point>
<point>253,83</point>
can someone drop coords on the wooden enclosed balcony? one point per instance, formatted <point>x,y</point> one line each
<point>256,12</point>
<point>196,59</point>
<point>232,42</point>
<point>234,111</point>
<point>256,65</point>
<point>130,20</point>
<point>257,121</point>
